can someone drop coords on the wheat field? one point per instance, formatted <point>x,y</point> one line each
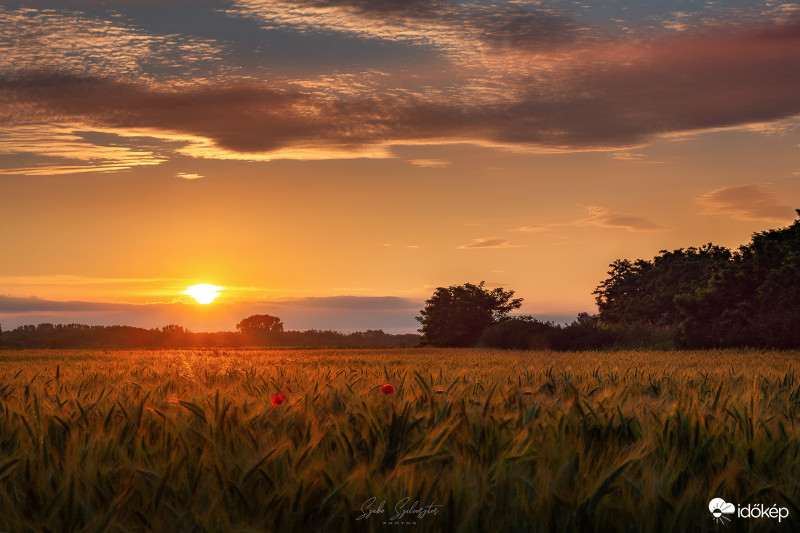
<point>469,440</point>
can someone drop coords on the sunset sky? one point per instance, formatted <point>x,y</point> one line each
<point>333,161</point>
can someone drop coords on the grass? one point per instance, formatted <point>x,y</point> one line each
<point>507,441</point>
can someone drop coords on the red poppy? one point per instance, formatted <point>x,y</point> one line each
<point>423,398</point>
<point>512,400</point>
<point>278,399</point>
<point>387,389</point>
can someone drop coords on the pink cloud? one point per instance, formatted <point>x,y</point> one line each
<point>488,243</point>
<point>67,152</point>
<point>746,202</point>
<point>605,218</point>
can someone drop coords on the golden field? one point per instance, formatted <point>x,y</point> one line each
<point>471,440</point>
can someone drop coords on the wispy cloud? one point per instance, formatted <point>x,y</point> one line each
<point>68,151</point>
<point>64,286</point>
<point>71,279</point>
<point>47,40</point>
<point>599,217</point>
<point>487,243</point>
<point>535,228</point>
<point>360,303</point>
<point>188,175</point>
<point>604,218</point>
<point>463,32</point>
<point>746,202</point>
<point>15,305</point>
<point>429,163</point>
<point>631,156</point>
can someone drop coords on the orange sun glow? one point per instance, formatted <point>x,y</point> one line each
<point>203,293</point>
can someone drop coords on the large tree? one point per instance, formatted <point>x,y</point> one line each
<point>457,315</point>
<point>268,323</point>
<point>754,301</point>
<point>711,296</point>
<point>644,292</point>
<point>260,328</point>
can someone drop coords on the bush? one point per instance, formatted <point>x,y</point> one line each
<point>518,333</point>
<point>583,335</point>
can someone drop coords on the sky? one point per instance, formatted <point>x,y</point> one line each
<point>332,162</point>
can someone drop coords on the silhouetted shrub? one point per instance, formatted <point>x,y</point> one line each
<point>518,333</point>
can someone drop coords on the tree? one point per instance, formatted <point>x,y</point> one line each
<point>644,292</point>
<point>457,315</point>
<point>173,329</point>
<point>753,301</point>
<point>260,324</point>
<point>260,328</point>
<point>710,296</point>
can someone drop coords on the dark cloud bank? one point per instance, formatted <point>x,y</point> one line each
<point>601,100</point>
<point>390,313</point>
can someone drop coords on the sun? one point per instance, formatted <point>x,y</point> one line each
<point>203,293</point>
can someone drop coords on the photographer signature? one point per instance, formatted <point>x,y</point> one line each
<point>404,510</point>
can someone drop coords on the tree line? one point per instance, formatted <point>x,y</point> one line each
<point>697,297</point>
<point>251,332</point>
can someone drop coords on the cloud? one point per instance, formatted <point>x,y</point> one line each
<point>487,243</point>
<point>336,312</point>
<point>73,280</point>
<point>629,156</point>
<point>352,303</point>
<point>429,163</point>
<point>538,82</point>
<point>188,176</point>
<point>244,118</point>
<point>599,217</point>
<point>84,4</point>
<point>71,149</point>
<point>462,32</point>
<point>746,202</point>
<point>535,228</point>
<point>344,313</point>
<point>605,218</point>
<point>16,305</point>
<point>47,40</point>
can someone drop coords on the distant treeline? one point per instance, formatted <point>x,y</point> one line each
<point>173,336</point>
<point>706,297</point>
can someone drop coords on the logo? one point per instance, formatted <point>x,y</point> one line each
<point>719,508</point>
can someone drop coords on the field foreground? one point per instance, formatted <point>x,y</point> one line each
<point>470,440</point>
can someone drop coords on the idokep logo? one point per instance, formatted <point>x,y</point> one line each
<point>719,508</point>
